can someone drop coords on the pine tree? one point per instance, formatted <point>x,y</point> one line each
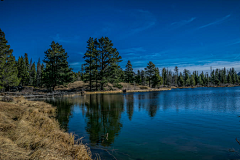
<point>143,78</point>
<point>186,77</point>
<point>57,71</point>
<point>200,82</point>
<point>176,75</point>
<point>164,76</point>
<point>138,77</point>
<point>96,61</point>
<point>156,79</point>
<point>129,72</point>
<point>213,77</point>
<point>192,80</point>
<point>39,72</point>
<point>27,66</point>
<point>229,78</point>
<point>33,74</point>
<point>8,66</point>
<point>180,80</point>
<point>150,71</point>
<point>107,56</point>
<point>88,56</point>
<point>23,74</point>
<point>216,77</point>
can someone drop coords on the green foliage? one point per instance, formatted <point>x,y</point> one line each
<point>89,59</point>
<point>57,71</point>
<point>129,72</point>
<point>33,75</point>
<point>8,65</point>
<point>118,85</point>
<point>149,70</point>
<point>156,79</point>
<point>192,81</point>
<point>102,62</point>
<point>23,74</point>
<point>229,78</point>
<point>180,80</point>
<point>39,74</point>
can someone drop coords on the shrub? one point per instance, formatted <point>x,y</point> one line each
<point>119,86</point>
<point>144,87</point>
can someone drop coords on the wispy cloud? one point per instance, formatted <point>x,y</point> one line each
<point>58,38</point>
<point>130,50</point>
<point>147,21</point>
<point>236,42</point>
<point>215,22</point>
<point>182,23</point>
<point>136,21</point>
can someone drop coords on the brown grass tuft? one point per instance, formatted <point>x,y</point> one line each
<point>29,131</point>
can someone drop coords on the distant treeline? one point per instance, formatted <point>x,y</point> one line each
<point>101,67</point>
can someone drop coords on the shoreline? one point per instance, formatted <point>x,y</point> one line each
<point>67,94</point>
<point>29,130</point>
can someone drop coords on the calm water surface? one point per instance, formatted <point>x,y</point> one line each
<point>199,123</point>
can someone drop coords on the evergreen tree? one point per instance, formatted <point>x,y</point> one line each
<point>8,66</point>
<point>192,80</point>
<point>176,75</point>
<point>164,76</point>
<point>224,80</point>
<point>216,77</point>
<point>229,78</point>
<point>156,79</point>
<point>143,78</point>
<point>180,80</point>
<point>33,74</point>
<point>150,71</point>
<point>107,56</point>
<point>129,72</point>
<point>57,71</point>
<point>27,66</point>
<point>200,82</point>
<point>88,56</point>
<point>114,75</point>
<point>186,77</point>
<point>212,78</point>
<point>39,72</point>
<point>96,60</point>
<point>23,74</point>
<point>138,77</point>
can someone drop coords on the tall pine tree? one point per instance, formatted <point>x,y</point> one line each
<point>129,72</point>
<point>57,71</point>
<point>8,66</point>
<point>150,69</point>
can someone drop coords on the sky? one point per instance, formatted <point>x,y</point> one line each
<point>191,34</point>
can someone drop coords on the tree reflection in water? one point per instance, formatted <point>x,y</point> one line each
<point>102,112</point>
<point>64,110</point>
<point>103,118</point>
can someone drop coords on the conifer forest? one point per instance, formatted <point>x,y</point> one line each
<point>101,66</point>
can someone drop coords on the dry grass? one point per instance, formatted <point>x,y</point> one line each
<point>133,87</point>
<point>28,130</point>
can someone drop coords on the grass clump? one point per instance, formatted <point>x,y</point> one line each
<point>28,130</point>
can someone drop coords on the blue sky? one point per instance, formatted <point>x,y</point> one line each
<point>188,34</point>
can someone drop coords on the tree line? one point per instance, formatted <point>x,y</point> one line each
<point>101,66</point>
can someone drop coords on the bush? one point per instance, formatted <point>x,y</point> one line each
<point>119,86</point>
<point>144,87</point>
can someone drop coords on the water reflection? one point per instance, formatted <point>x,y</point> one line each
<point>103,118</point>
<point>103,113</point>
<point>64,109</point>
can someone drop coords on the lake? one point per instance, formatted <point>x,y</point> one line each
<point>200,123</point>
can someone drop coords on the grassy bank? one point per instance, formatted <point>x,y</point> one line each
<point>28,130</point>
